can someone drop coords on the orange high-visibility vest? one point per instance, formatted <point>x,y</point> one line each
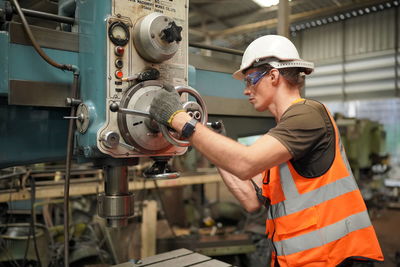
<point>318,221</point>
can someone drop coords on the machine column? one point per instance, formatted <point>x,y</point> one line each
<point>116,204</point>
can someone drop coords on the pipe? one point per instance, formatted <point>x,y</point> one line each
<point>70,152</point>
<point>217,48</point>
<point>46,16</point>
<point>71,126</point>
<point>38,49</point>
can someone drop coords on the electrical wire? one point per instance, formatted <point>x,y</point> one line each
<point>33,225</point>
<point>38,49</point>
<point>10,256</point>
<point>163,208</point>
<point>71,126</point>
<point>70,151</point>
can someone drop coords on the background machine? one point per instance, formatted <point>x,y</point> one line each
<point>106,60</point>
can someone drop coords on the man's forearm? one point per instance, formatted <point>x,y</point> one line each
<point>242,190</point>
<point>243,161</point>
<point>218,149</point>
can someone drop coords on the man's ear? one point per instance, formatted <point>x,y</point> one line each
<point>275,76</point>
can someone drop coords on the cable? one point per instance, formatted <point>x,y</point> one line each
<point>38,49</point>
<point>163,207</point>
<point>10,256</point>
<point>33,225</point>
<point>71,127</point>
<point>70,150</point>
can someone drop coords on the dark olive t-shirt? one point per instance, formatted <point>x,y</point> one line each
<point>306,130</point>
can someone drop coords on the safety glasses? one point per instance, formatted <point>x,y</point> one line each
<point>253,78</point>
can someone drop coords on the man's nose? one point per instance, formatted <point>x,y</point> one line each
<point>246,91</point>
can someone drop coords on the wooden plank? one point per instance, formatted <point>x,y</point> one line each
<point>149,228</point>
<point>90,188</point>
<point>186,180</point>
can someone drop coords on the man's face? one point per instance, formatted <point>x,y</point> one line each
<point>259,89</point>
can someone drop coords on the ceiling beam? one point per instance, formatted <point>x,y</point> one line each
<point>197,33</point>
<point>249,14</point>
<point>207,14</point>
<point>252,27</point>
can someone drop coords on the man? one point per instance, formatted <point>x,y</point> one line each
<point>316,215</point>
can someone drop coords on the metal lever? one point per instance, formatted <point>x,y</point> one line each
<point>149,74</point>
<point>80,117</point>
<point>114,107</point>
<point>160,170</point>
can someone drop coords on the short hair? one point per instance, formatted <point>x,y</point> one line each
<point>294,76</point>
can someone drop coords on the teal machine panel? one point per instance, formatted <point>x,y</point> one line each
<point>114,46</point>
<point>30,134</point>
<point>126,52</point>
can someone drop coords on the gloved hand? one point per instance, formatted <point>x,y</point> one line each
<point>165,105</point>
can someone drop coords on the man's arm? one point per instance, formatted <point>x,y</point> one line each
<point>242,161</point>
<point>243,190</point>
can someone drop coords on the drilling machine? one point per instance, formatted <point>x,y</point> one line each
<point>127,51</point>
<point>121,53</point>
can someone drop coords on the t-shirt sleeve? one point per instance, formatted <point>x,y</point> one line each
<point>300,128</point>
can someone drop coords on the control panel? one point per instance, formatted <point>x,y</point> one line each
<point>147,50</point>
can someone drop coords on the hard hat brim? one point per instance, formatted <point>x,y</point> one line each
<point>308,66</point>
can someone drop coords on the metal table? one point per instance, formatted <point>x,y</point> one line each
<point>177,258</point>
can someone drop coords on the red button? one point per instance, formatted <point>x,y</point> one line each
<point>119,51</point>
<point>119,74</point>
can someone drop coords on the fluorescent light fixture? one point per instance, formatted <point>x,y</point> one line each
<point>266,3</point>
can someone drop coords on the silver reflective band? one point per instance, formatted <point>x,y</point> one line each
<point>324,235</point>
<point>300,202</point>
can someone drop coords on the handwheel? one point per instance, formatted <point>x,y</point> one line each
<point>196,109</point>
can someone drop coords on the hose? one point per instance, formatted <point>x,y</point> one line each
<point>33,225</point>
<point>38,49</point>
<point>71,126</point>
<point>70,152</point>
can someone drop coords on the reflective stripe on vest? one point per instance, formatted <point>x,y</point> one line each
<point>330,233</point>
<point>293,200</point>
<point>296,202</point>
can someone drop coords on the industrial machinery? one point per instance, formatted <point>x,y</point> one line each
<point>365,144</point>
<point>128,51</point>
<point>114,57</point>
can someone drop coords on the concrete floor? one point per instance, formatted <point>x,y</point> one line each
<point>387,227</point>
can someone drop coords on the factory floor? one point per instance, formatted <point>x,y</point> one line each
<point>386,224</point>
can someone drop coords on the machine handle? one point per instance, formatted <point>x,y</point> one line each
<point>203,120</point>
<point>114,107</point>
<point>201,116</point>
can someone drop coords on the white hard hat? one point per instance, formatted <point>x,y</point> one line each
<point>276,50</point>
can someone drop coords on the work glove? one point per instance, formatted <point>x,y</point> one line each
<point>165,105</point>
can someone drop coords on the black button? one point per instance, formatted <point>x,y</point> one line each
<point>119,63</point>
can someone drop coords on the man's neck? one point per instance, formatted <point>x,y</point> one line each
<point>283,101</point>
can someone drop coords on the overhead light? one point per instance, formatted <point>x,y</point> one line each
<point>267,3</point>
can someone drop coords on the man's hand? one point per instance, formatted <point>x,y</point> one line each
<point>165,105</point>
